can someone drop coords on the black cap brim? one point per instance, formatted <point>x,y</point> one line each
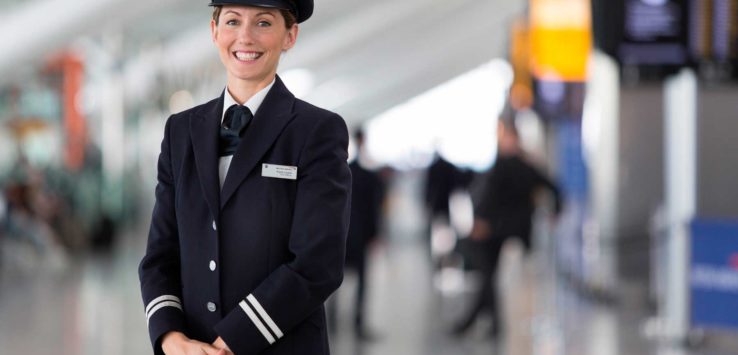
<point>302,9</point>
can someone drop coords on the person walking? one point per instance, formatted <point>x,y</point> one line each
<point>504,209</point>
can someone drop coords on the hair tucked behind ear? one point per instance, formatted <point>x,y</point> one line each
<point>216,13</point>
<point>289,17</point>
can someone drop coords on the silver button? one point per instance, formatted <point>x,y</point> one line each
<point>211,307</point>
<point>215,228</point>
<point>212,265</point>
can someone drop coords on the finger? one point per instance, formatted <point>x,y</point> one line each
<point>209,349</point>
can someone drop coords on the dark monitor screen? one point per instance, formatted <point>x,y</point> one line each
<point>658,37</point>
<point>650,35</point>
<point>654,33</point>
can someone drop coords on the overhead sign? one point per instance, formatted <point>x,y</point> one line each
<point>561,39</point>
<point>521,90</point>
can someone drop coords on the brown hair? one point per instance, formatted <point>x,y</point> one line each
<point>289,18</point>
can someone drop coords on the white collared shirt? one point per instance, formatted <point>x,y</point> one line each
<point>253,104</point>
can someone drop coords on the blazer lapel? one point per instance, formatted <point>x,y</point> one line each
<point>270,119</point>
<point>204,127</point>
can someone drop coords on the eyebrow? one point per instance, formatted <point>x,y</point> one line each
<point>232,12</point>
<point>258,14</point>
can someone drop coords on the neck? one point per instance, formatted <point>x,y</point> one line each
<point>509,151</point>
<point>243,90</point>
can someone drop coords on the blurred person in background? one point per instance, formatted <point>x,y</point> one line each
<point>248,232</point>
<point>442,179</point>
<point>31,208</point>
<point>503,209</point>
<point>367,198</point>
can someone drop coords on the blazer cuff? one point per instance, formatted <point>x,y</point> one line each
<point>248,328</point>
<point>164,315</point>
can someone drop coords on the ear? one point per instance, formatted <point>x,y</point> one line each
<point>213,30</point>
<point>291,38</point>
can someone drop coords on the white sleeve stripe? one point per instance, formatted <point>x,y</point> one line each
<point>259,325</point>
<point>160,306</point>
<point>160,299</point>
<point>257,306</point>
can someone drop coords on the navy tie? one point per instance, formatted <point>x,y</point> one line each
<point>236,119</point>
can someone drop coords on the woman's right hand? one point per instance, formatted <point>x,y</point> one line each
<point>176,343</point>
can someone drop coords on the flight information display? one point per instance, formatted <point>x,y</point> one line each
<point>654,33</point>
<point>725,30</point>
<point>713,38</point>
<point>700,29</point>
<point>648,38</point>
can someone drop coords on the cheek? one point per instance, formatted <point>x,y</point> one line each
<point>286,43</point>
<point>224,45</point>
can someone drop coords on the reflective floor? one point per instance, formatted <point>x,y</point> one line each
<point>91,305</point>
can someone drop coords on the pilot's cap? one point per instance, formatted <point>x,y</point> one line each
<point>302,9</point>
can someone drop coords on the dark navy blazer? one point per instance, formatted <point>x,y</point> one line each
<point>252,262</point>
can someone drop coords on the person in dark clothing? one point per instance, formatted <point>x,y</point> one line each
<point>443,177</point>
<point>366,216</point>
<point>504,209</point>
<point>253,196</point>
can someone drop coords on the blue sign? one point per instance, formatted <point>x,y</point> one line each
<point>714,274</point>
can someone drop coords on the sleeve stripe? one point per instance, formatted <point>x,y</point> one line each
<point>259,325</point>
<point>160,306</point>
<point>257,306</point>
<point>160,299</point>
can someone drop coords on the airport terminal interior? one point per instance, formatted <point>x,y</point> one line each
<point>616,119</point>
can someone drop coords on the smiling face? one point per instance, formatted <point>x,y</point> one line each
<point>250,41</point>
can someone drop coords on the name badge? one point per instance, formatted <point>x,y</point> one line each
<point>279,171</point>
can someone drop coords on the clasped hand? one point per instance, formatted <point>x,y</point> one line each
<point>176,343</point>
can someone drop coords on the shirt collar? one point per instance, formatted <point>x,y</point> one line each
<point>253,103</point>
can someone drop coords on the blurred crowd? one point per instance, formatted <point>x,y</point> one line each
<point>502,202</point>
<point>52,213</point>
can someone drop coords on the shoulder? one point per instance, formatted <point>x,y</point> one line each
<point>182,118</point>
<point>308,111</point>
<point>312,117</point>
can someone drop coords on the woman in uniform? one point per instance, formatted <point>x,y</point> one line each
<point>248,231</point>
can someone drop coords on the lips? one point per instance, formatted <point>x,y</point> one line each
<point>247,56</point>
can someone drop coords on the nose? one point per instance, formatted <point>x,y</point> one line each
<point>246,34</point>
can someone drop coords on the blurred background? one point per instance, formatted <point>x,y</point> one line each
<point>628,107</point>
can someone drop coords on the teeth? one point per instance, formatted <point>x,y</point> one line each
<point>247,56</point>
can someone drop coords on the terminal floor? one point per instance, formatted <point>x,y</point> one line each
<point>92,306</point>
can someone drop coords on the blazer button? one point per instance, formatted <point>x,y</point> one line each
<point>215,228</point>
<point>212,265</point>
<point>211,307</point>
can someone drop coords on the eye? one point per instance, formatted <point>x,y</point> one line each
<point>232,22</point>
<point>264,23</point>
